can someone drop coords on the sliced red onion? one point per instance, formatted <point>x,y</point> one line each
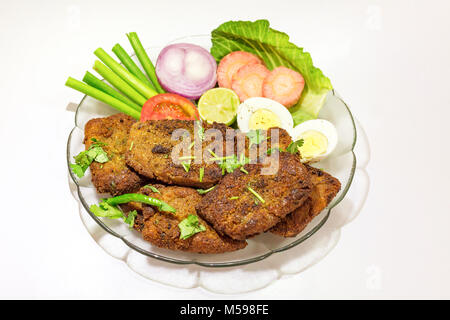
<point>186,69</point>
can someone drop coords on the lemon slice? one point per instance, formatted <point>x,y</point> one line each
<point>219,105</point>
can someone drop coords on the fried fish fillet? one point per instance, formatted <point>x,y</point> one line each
<point>243,205</point>
<point>324,189</point>
<point>161,228</point>
<point>273,138</point>
<point>151,146</point>
<point>114,176</point>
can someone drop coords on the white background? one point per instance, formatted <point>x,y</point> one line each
<point>390,60</point>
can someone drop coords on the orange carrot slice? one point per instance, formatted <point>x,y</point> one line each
<point>283,85</point>
<point>231,63</point>
<point>248,81</point>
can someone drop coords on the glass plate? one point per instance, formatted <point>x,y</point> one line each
<point>341,164</point>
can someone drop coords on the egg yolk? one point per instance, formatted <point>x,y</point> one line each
<point>314,144</point>
<point>263,119</point>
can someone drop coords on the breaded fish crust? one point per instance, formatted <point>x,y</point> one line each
<point>150,147</point>
<point>324,189</point>
<point>161,228</point>
<point>233,209</point>
<point>114,176</point>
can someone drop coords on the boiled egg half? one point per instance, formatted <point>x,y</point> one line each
<point>263,113</point>
<point>319,139</point>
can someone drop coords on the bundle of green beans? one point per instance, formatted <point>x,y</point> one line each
<point>129,87</point>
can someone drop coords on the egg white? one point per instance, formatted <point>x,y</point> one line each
<point>251,105</point>
<point>320,125</point>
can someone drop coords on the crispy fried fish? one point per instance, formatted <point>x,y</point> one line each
<point>273,138</point>
<point>245,204</point>
<point>151,146</point>
<point>161,228</point>
<point>114,176</point>
<point>324,189</point>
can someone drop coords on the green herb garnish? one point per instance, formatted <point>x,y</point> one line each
<point>233,198</point>
<point>152,188</point>
<point>190,226</point>
<point>256,137</point>
<point>203,191</point>
<point>231,163</point>
<point>201,174</point>
<point>293,146</point>
<point>201,131</point>
<point>84,159</point>
<point>256,194</point>
<point>106,210</point>
<point>129,220</point>
<point>186,166</point>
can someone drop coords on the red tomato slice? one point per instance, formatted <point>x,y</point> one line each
<point>169,106</point>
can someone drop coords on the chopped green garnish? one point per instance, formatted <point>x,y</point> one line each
<point>131,146</point>
<point>256,137</point>
<point>231,163</point>
<point>212,153</point>
<point>201,174</point>
<point>106,210</point>
<point>256,194</point>
<point>293,146</point>
<point>187,158</point>
<point>190,226</point>
<point>191,145</point>
<point>203,191</point>
<point>243,170</point>
<point>84,159</point>
<point>129,220</point>
<point>98,143</point>
<point>234,198</point>
<point>186,166</point>
<point>201,131</point>
<point>269,151</point>
<point>166,156</point>
<point>152,188</point>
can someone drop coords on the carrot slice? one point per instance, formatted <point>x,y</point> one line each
<point>231,63</point>
<point>284,85</point>
<point>248,81</point>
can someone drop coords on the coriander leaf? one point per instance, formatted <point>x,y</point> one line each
<point>203,191</point>
<point>256,194</point>
<point>293,146</point>
<point>201,174</point>
<point>98,143</point>
<point>186,166</point>
<point>256,137</point>
<point>106,210</point>
<point>129,219</point>
<point>84,159</point>
<point>190,226</point>
<point>152,188</point>
<point>100,155</point>
<point>201,131</point>
<point>77,169</point>
<point>231,163</point>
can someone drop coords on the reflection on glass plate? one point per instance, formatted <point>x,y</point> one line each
<point>266,257</point>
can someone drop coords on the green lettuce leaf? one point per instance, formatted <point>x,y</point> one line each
<point>275,49</point>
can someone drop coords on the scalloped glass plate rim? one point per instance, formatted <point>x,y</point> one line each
<point>214,264</point>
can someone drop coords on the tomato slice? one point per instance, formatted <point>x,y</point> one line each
<point>169,106</point>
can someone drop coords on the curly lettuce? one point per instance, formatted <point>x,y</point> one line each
<point>274,48</point>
